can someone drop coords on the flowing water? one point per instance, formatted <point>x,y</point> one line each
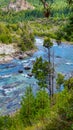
<point>13,84</point>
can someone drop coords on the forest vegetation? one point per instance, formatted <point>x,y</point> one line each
<point>43,110</point>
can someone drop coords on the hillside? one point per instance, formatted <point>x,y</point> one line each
<point>25,12</point>
<point>56,3</point>
<point>16,5</point>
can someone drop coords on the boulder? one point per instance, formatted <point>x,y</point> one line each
<point>21,57</point>
<point>30,74</point>
<point>20,71</point>
<point>27,67</point>
<point>58,57</point>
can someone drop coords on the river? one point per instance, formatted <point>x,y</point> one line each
<point>13,84</point>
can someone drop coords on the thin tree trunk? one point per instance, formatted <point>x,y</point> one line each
<point>53,75</point>
<point>49,75</point>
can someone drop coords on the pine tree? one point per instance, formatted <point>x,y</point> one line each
<point>27,111</point>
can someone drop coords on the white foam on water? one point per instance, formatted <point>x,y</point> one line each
<point>26,76</point>
<point>5,76</point>
<point>39,41</point>
<point>55,44</point>
<point>22,74</point>
<point>1,88</point>
<point>32,59</point>
<point>68,63</point>
<point>24,61</point>
<point>10,90</point>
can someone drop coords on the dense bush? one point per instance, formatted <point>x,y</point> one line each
<point>66,30</point>
<point>17,33</point>
<point>34,107</point>
<point>5,36</point>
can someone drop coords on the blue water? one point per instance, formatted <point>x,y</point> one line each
<point>13,84</point>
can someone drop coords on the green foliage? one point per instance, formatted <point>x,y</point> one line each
<point>5,122</point>
<point>27,111</point>
<point>34,107</point>
<point>35,3</point>
<point>60,35</point>
<point>40,71</point>
<point>59,80</point>
<point>5,36</point>
<point>58,9</point>
<point>17,33</point>
<point>4,3</point>
<point>69,83</point>
<point>47,42</point>
<point>68,29</point>
<point>27,41</point>
<point>65,106</point>
<point>27,38</point>
<point>42,105</point>
<point>70,2</point>
<point>16,17</point>
<point>62,117</point>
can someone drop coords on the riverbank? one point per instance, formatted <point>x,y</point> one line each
<point>65,42</point>
<point>11,51</point>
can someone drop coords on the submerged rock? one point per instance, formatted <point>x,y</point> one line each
<point>20,71</point>
<point>3,92</point>
<point>21,57</point>
<point>30,74</point>
<point>58,57</point>
<point>27,67</point>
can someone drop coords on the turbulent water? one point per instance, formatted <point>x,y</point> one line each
<point>13,84</point>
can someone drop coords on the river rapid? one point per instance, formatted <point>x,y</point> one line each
<point>13,83</point>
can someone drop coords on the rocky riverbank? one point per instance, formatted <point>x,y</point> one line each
<point>9,52</point>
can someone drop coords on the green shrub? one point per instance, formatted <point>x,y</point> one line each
<point>5,38</point>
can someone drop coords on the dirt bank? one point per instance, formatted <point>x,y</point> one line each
<point>9,52</point>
